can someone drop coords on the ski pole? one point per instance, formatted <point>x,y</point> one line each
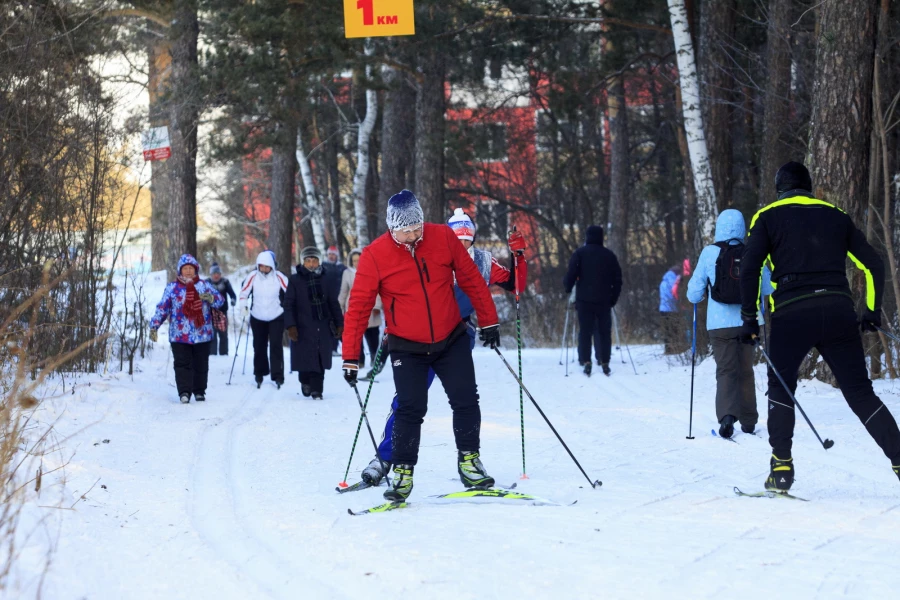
<point>618,339</point>
<point>362,416</point>
<point>888,333</point>
<point>236,351</point>
<point>516,257</point>
<point>827,443</point>
<point>566,340</point>
<point>362,408</point>
<point>246,343</point>
<point>565,333</point>
<point>693,361</point>
<point>627,349</point>
<point>594,484</point>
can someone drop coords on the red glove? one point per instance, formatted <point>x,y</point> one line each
<point>516,242</point>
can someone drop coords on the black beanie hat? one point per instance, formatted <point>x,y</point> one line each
<point>792,176</point>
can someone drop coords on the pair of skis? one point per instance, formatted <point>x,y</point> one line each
<point>465,495</point>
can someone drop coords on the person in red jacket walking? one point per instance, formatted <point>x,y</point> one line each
<point>412,267</point>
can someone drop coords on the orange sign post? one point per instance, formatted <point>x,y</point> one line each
<point>378,18</point>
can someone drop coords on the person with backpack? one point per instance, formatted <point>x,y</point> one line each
<point>719,271</point>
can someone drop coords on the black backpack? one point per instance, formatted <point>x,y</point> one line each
<point>727,289</point>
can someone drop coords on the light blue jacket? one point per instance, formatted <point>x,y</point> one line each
<point>729,226</point>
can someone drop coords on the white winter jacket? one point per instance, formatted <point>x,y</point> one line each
<point>267,290</point>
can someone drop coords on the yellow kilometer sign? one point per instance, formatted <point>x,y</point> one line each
<point>378,18</point>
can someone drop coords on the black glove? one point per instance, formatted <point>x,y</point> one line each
<point>490,336</point>
<point>351,371</point>
<point>870,321</point>
<point>750,332</point>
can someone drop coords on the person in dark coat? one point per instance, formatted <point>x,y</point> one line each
<point>313,319</point>
<point>333,270</point>
<point>596,271</point>
<point>219,344</point>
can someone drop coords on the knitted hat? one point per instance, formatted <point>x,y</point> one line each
<point>792,176</point>
<point>310,252</point>
<point>215,268</point>
<point>462,225</point>
<point>404,210</point>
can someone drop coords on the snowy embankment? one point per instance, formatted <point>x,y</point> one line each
<point>235,498</point>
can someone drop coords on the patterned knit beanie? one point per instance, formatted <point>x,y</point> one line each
<point>462,225</point>
<point>404,210</point>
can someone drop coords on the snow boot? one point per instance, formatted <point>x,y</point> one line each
<point>279,383</point>
<point>781,477</point>
<point>258,382</point>
<point>306,390</point>
<point>606,369</point>
<point>402,484</point>
<point>375,472</point>
<point>471,471</point>
<point>316,395</point>
<point>726,426</point>
<point>201,397</point>
<point>587,368</point>
<point>897,470</point>
<point>184,398</point>
<point>748,428</point>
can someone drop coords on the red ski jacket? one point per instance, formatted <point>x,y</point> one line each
<point>416,288</point>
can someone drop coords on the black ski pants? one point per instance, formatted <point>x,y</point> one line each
<point>371,339</point>
<point>267,343</point>
<point>191,367</point>
<point>455,369</point>
<point>594,321</point>
<point>829,325</point>
<point>219,343</point>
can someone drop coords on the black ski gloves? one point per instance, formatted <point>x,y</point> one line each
<point>351,371</point>
<point>750,332</point>
<point>870,321</point>
<point>490,336</point>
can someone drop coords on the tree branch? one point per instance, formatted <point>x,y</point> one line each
<point>140,13</point>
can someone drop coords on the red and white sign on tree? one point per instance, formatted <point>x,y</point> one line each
<point>155,143</point>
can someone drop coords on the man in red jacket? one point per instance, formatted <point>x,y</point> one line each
<point>412,267</point>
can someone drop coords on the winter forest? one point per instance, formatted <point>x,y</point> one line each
<point>646,117</point>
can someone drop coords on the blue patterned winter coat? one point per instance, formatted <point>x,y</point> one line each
<point>171,307</point>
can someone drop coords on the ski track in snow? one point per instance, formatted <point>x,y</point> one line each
<point>235,498</point>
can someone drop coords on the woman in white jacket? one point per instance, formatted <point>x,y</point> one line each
<point>267,287</point>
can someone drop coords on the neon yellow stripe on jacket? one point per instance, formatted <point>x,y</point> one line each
<point>870,281</point>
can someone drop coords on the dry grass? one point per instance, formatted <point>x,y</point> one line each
<point>24,441</point>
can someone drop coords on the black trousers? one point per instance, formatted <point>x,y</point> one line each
<point>456,371</point>
<point>371,339</point>
<point>219,343</point>
<point>267,340</point>
<point>829,325</point>
<point>594,321</point>
<point>191,367</point>
<point>316,381</point>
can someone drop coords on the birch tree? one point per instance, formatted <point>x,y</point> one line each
<point>693,122</point>
<point>363,137</point>
<point>313,208</point>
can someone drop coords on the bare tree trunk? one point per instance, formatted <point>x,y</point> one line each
<point>692,233</point>
<point>430,109</point>
<point>717,28</point>
<point>707,210</point>
<point>184,111</point>
<point>313,206</point>
<point>619,171</point>
<point>397,140</point>
<point>363,137</point>
<point>880,131</point>
<point>159,63</point>
<point>775,147</point>
<point>281,196</point>
<point>842,104</point>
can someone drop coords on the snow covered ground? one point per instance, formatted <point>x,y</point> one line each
<point>235,498</point>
